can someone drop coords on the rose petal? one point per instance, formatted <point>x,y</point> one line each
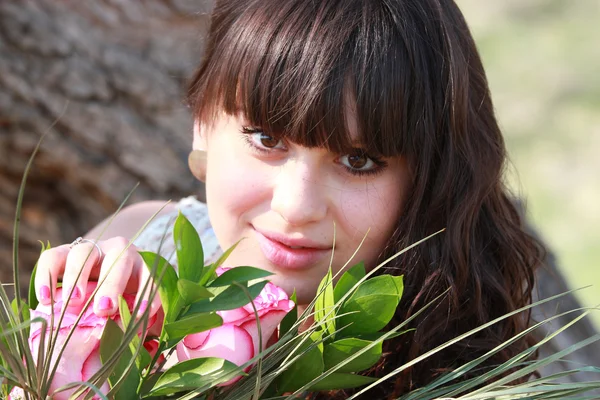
<point>233,316</point>
<point>194,341</point>
<point>271,297</point>
<point>77,351</point>
<point>16,394</point>
<point>228,342</point>
<point>80,359</point>
<point>220,270</point>
<point>90,367</point>
<point>268,325</point>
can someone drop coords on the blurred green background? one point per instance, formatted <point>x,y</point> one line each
<point>543,62</point>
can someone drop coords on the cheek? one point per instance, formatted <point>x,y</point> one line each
<point>233,190</point>
<point>373,211</point>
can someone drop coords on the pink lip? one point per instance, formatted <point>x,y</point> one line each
<point>276,249</point>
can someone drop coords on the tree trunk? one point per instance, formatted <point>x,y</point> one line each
<point>105,80</point>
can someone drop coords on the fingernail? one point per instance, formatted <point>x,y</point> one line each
<point>105,303</point>
<point>44,293</point>
<point>76,293</point>
<point>143,306</point>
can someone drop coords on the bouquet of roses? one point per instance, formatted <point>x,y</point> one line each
<point>218,321</point>
<point>236,336</point>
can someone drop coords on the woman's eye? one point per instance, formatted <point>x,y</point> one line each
<point>358,162</point>
<point>262,140</point>
<point>266,140</point>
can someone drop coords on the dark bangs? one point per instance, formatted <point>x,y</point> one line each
<point>297,68</point>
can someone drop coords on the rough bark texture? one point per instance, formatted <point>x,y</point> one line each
<point>105,80</point>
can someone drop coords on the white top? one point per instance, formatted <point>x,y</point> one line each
<point>151,239</point>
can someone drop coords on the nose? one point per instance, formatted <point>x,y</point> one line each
<point>298,193</point>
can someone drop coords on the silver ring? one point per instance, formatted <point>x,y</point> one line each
<point>80,240</point>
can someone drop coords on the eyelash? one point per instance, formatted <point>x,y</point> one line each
<point>380,164</point>
<point>247,132</point>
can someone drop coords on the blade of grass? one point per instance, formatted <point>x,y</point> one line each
<point>307,312</point>
<point>106,370</point>
<point>260,343</point>
<point>537,365</point>
<point>365,349</point>
<point>22,342</point>
<point>129,335</point>
<point>49,373</point>
<point>72,385</point>
<point>472,364</point>
<point>453,341</point>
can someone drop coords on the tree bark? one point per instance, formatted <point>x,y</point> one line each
<point>105,80</point>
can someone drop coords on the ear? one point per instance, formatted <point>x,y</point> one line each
<point>199,141</point>
<point>197,164</point>
<point>197,157</point>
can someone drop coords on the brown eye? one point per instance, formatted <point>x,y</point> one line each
<point>261,140</point>
<point>268,141</point>
<point>357,161</point>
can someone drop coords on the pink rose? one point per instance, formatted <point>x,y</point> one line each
<point>237,339</point>
<point>81,357</point>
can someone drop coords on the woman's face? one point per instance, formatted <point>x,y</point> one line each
<point>293,205</point>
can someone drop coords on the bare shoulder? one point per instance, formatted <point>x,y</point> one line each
<point>130,219</point>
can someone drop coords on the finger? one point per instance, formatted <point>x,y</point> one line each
<point>115,273</point>
<point>80,261</point>
<point>50,267</point>
<point>143,296</point>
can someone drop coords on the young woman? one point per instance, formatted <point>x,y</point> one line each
<point>323,122</point>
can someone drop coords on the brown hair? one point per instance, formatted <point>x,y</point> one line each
<point>420,92</point>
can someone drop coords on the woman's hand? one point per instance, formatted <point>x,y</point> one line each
<point>114,263</point>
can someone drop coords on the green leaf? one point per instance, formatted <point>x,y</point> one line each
<point>372,306</point>
<point>290,318</point>
<point>148,383</point>
<point>194,374</point>
<point>143,358</point>
<point>306,368</point>
<point>240,275</point>
<point>341,381</point>
<point>324,304</point>
<point>167,288</point>
<point>190,256</point>
<point>112,337</point>
<point>193,324</point>
<point>348,281</point>
<point>24,313</point>
<point>229,299</point>
<point>192,292</point>
<point>16,227</point>
<point>31,296</point>
<point>337,352</point>
<point>208,272</point>
<point>124,312</point>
